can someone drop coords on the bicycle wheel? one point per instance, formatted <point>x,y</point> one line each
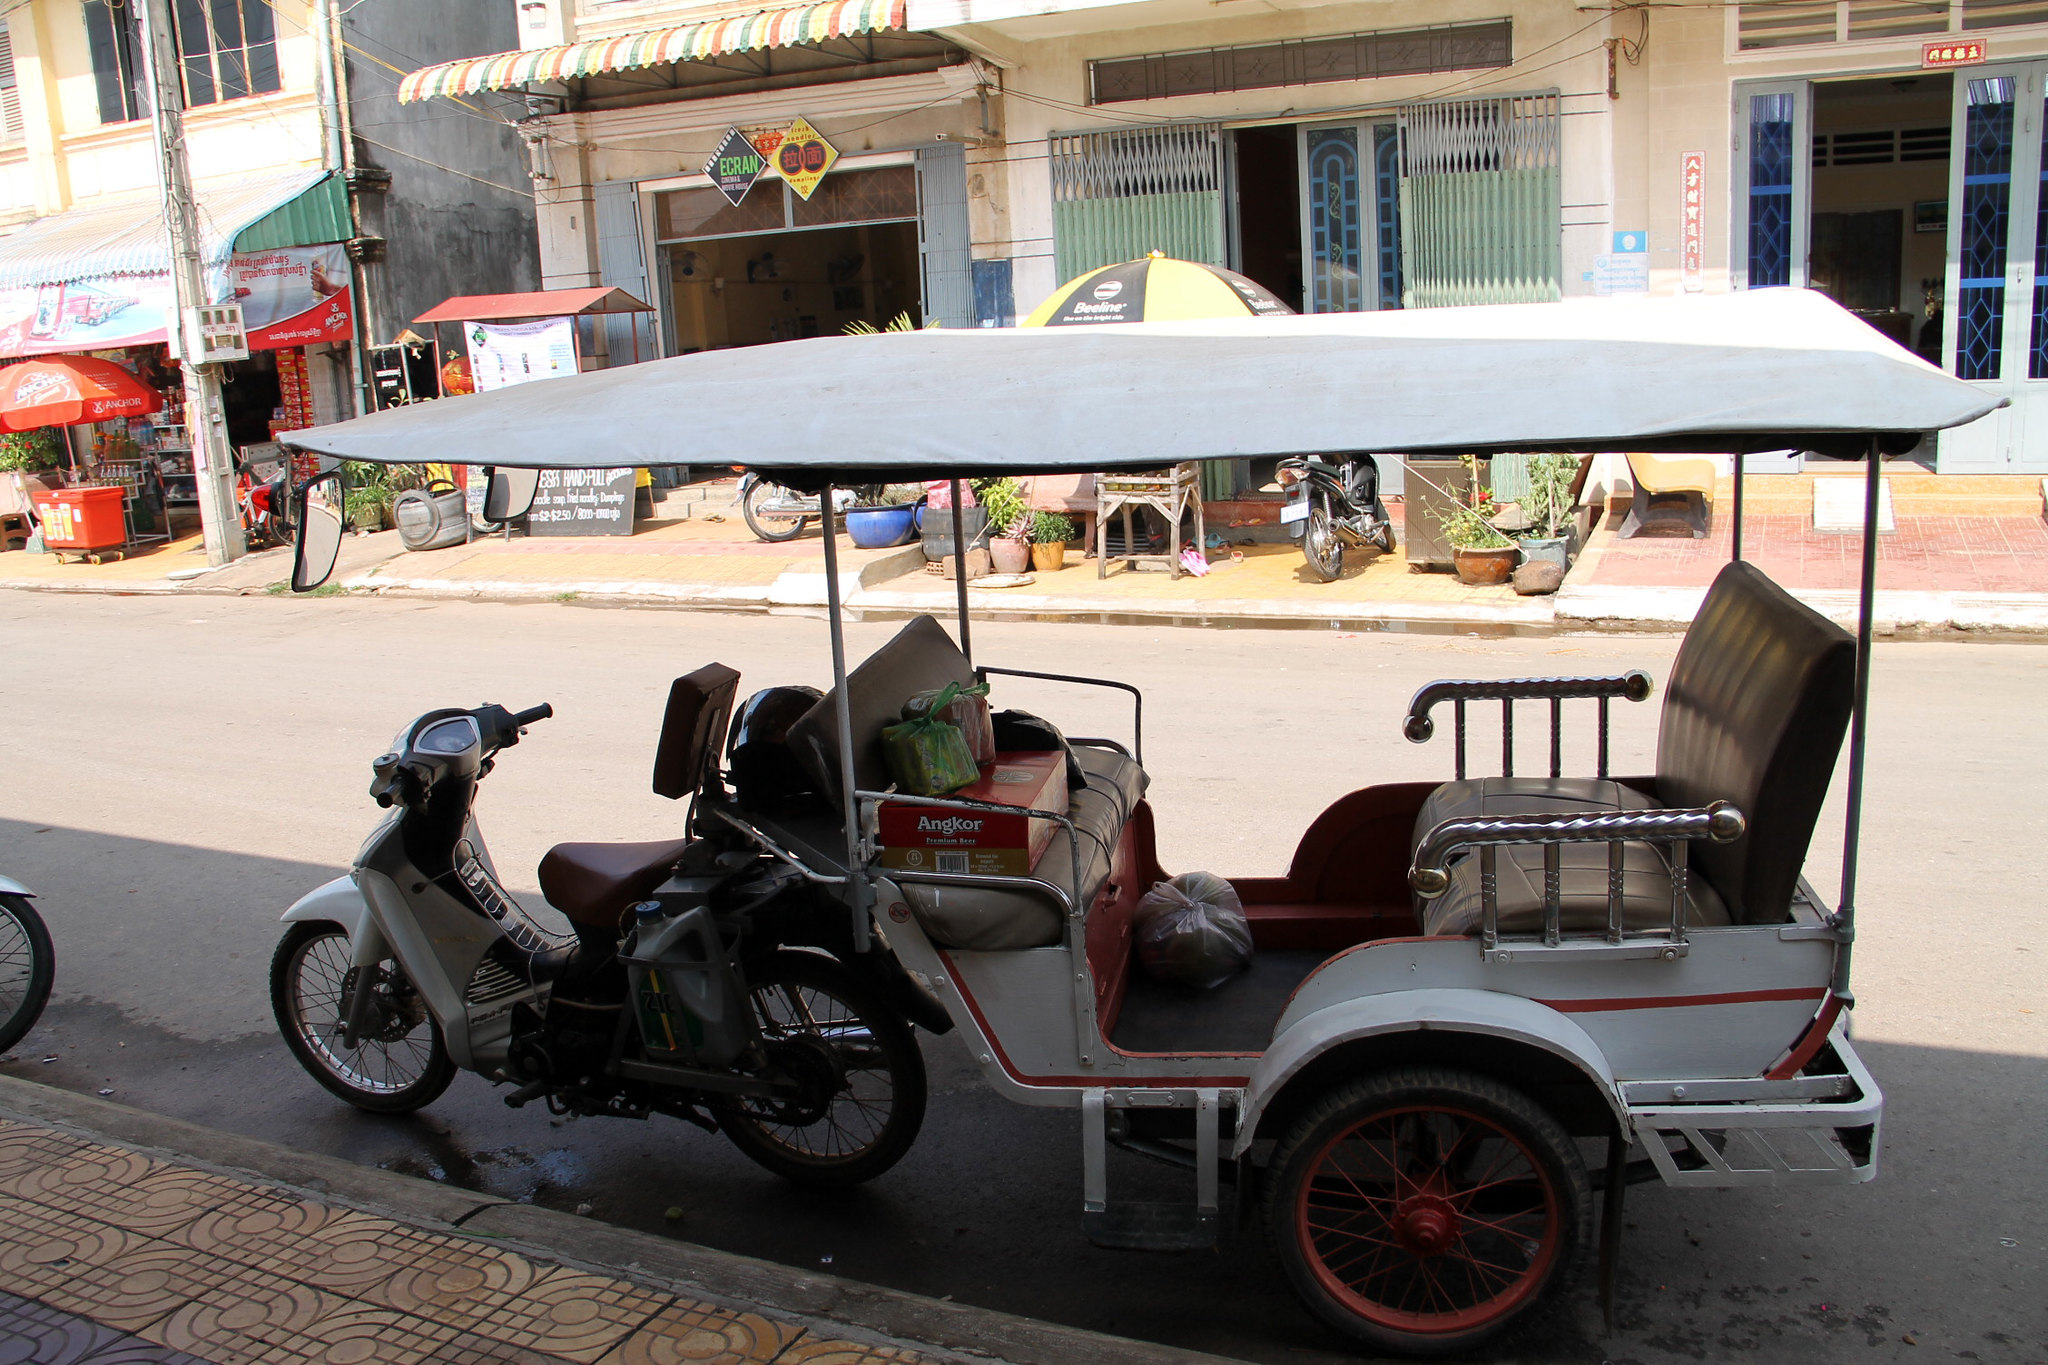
<point>27,967</point>
<point>399,1064</point>
<point>860,1093</point>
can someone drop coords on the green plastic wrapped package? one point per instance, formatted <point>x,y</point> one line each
<point>928,756</point>
<point>966,707</point>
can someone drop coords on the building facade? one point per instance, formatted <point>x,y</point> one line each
<point>1371,154</point>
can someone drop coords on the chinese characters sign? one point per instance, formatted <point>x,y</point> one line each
<point>1692,222</point>
<point>803,157</point>
<point>1953,52</point>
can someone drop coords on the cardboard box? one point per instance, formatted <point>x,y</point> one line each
<point>982,843</point>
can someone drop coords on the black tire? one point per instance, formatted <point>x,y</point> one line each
<point>1320,544</point>
<point>1382,537</point>
<point>1392,1251</point>
<point>404,1064</point>
<point>873,1111</point>
<point>28,964</point>
<point>766,527</point>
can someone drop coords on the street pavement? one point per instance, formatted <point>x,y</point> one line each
<point>183,767</point>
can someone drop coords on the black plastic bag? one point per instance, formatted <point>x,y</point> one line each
<point>1192,931</point>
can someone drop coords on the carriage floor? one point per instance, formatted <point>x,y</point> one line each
<point>1238,1016</point>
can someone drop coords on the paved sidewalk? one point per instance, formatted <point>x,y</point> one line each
<point>115,1254</point>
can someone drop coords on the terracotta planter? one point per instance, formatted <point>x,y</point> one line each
<point>1485,568</point>
<point>1010,555</point>
<point>1047,556</point>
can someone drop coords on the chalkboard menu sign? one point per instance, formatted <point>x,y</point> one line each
<point>583,502</point>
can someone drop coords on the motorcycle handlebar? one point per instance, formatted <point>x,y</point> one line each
<point>522,719</point>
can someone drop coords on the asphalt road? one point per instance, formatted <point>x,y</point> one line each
<point>177,771</point>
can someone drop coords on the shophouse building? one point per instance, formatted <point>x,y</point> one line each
<point>1361,155</point>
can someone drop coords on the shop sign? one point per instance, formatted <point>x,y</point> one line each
<point>735,166</point>
<point>803,158</point>
<point>1953,52</point>
<point>293,296</point>
<point>1692,222</point>
<point>583,502</point>
<point>1626,269</point>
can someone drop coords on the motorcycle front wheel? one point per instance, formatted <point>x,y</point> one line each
<point>399,1065</point>
<point>1320,545</point>
<point>859,1096</point>
<point>27,967</point>
<point>771,526</point>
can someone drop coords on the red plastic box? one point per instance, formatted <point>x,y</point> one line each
<point>82,518</point>
<point>982,843</point>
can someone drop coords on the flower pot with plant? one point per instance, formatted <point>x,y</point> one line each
<point>1548,507</point>
<point>1009,520</point>
<point>1479,552</point>
<point>1050,532</point>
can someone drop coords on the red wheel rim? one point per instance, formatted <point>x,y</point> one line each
<point>1428,1220</point>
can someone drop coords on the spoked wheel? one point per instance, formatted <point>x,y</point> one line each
<point>859,1091</point>
<point>765,522</point>
<point>1381,537</point>
<point>1320,545</point>
<point>27,966</point>
<point>1423,1212</point>
<point>400,1062</point>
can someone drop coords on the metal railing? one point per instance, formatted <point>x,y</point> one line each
<point>1634,685</point>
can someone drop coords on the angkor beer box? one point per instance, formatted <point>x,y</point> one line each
<point>991,843</point>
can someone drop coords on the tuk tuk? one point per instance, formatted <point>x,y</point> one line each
<point>1474,1004</point>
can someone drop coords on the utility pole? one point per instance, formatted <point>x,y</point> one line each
<point>213,464</point>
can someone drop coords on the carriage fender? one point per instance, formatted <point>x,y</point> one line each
<point>1488,1013</point>
<point>11,887</point>
<point>339,902</point>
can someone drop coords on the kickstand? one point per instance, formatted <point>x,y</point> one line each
<point>1610,1222</point>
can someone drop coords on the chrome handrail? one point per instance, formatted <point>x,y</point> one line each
<point>982,671</point>
<point>1074,909</point>
<point>1634,685</point>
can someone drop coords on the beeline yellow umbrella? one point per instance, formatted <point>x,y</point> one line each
<point>1154,288</point>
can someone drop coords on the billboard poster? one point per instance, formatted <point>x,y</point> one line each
<point>293,296</point>
<point>506,353</point>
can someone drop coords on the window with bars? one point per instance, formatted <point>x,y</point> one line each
<point>1880,147</point>
<point>10,95</point>
<point>1118,194</point>
<point>880,194</point>
<point>1481,205</point>
<point>1305,61</point>
<point>228,49</point>
<point>1764,24</point>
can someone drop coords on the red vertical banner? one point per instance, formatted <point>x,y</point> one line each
<point>1692,236</point>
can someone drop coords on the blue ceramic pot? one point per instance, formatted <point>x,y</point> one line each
<point>875,528</point>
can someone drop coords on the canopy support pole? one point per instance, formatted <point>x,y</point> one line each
<point>1845,915</point>
<point>1735,552</point>
<point>960,570</point>
<point>849,808</point>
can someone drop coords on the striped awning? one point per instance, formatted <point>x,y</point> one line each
<point>690,42</point>
<point>123,234</point>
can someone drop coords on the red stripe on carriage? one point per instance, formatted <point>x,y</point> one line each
<point>1679,1002</point>
<point>1809,1044</point>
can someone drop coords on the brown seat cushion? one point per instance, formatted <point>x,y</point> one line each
<point>1518,873</point>
<point>594,883</point>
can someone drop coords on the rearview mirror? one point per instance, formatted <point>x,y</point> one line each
<point>508,493</point>
<point>317,543</point>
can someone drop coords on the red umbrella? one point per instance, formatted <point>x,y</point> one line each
<point>65,390</point>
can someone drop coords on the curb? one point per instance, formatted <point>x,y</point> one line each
<point>740,1282</point>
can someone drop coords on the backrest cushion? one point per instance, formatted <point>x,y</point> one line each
<point>694,722</point>
<point>920,657</point>
<point>1754,714</point>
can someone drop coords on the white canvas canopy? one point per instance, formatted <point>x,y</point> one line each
<point>1765,369</point>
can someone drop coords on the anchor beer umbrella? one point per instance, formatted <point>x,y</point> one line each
<point>66,390</point>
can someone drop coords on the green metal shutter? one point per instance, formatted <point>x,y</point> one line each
<point>1117,195</point>
<point>1481,206</point>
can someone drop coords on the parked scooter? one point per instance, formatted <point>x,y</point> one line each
<point>265,505</point>
<point>27,963</point>
<point>775,513</point>
<point>1329,504</point>
<point>703,979</point>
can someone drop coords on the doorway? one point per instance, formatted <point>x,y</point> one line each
<point>1265,224</point>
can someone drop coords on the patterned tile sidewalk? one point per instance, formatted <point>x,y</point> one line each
<point>113,1258</point>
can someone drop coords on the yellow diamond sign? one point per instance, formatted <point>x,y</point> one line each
<point>803,157</point>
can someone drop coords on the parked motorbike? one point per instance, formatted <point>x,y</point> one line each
<point>27,963</point>
<point>264,502</point>
<point>702,978</point>
<point>1332,503</point>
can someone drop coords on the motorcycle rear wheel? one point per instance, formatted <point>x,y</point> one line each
<point>1381,537</point>
<point>864,1101</point>
<point>27,967</point>
<point>769,526</point>
<point>404,1064</point>
<point>1320,544</point>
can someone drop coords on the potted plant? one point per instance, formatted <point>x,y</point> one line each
<point>35,451</point>
<point>1548,507</point>
<point>1050,532</point>
<point>1009,521</point>
<point>1480,552</point>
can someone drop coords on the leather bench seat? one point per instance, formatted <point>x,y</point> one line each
<point>993,918</point>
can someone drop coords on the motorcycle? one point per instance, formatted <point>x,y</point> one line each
<point>27,963</point>
<point>264,502</point>
<point>703,978</point>
<point>776,513</point>
<point>1329,504</point>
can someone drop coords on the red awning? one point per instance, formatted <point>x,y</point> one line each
<point>541,303</point>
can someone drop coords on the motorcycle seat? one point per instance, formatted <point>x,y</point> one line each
<point>594,883</point>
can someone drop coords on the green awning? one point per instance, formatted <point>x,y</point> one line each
<point>318,215</point>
